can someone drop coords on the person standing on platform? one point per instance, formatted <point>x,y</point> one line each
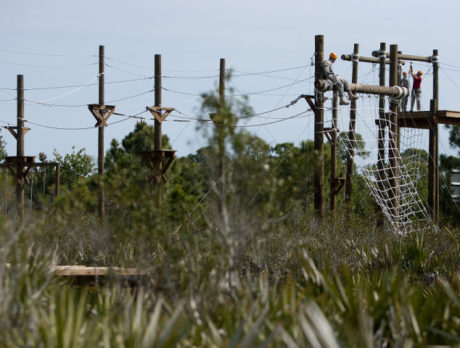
<point>416,93</point>
<point>341,83</point>
<point>404,83</point>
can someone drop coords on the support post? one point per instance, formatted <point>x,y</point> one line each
<point>433,168</point>
<point>57,177</point>
<point>393,151</point>
<point>221,135</point>
<point>381,128</point>
<point>433,165</point>
<point>20,148</point>
<point>100,152</point>
<point>351,133</point>
<point>318,179</point>
<point>157,145</point>
<point>157,127</point>
<point>333,178</point>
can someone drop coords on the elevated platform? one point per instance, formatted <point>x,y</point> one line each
<point>422,119</point>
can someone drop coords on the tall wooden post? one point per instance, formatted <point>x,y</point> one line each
<point>20,147</point>
<point>433,165</point>
<point>157,128</point>
<point>351,131</point>
<point>57,179</point>
<point>318,179</point>
<point>100,153</point>
<point>157,133</point>
<point>333,177</point>
<point>393,151</point>
<point>221,135</point>
<point>381,127</point>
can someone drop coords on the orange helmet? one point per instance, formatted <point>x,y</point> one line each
<point>420,72</point>
<point>333,55</point>
<point>404,73</point>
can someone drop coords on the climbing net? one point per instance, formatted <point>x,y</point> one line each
<point>405,168</point>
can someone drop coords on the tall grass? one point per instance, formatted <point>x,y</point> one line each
<point>258,282</point>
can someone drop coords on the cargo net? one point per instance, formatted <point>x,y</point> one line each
<point>406,169</point>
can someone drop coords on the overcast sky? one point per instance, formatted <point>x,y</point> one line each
<point>55,43</point>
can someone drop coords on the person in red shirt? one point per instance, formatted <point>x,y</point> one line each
<point>416,93</point>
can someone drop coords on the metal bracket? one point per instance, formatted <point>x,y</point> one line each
<point>101,113</point>
<point>156,111</point>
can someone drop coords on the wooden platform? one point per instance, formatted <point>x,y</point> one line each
<point>87,275</point>
<point>421,119</point>
<point>70,271</point>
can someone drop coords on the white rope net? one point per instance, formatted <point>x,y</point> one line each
<point>405,168</point>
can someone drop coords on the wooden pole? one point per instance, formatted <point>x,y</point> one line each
<point>221,135</point>
<point>333,178</point>
<point>57,179</point>
<point>157,129</point>
<point>20,148</point>
<point>393,152</point>
<point>351,132</point>
<point>382,129</point>
<point>100,153</point>
<point>318,179</point>
<point>433,164</point>
<point>435,61</point>
<point>157,145</point>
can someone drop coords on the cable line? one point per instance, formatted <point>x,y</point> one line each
<point>58,128</point>
<point>70,92</point>
<point>276,88</point>
<point>277,121</point>
<point>47,54</point>
<point>131,97</point>
<point>49,66</point>
<point>127,71</point>
<point>130,64</point>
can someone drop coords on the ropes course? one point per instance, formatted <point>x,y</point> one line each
<point>402,162</point>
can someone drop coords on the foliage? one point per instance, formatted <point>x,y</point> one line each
<point>74,167</point>
<point>251,267</point>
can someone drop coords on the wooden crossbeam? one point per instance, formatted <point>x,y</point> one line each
<point>101,113</point>
<point>157,112</point>
<point>329,132</point>
<point>28,162</point>
<point>12,130</point>
<point>158,163</point>
<point>373,60</point>
<point>337,185</point>
<point>310,100</point>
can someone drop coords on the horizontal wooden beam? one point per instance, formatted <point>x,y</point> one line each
<point>349,57</point>
<point>394,91</point>
<point>407,57</point>
<point>86,275</point>
<point>70,271</point>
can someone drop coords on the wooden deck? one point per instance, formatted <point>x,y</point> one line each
<point>421,119</point>
<point>87,275</point>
